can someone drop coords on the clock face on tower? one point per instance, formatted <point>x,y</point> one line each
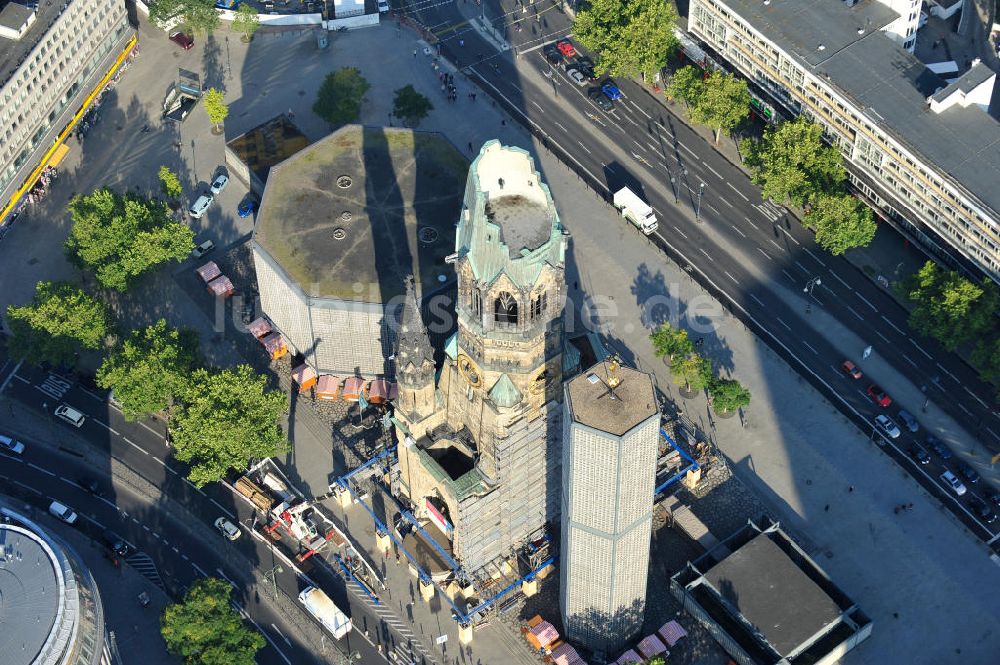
<point>467,368</point>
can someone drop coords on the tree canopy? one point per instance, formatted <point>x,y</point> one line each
<point>340,95</point>
<point>841,223</point>
<point>791,163</point>
<point>150,369</point>
<point>197,15</point>
<point>215,106</point>
<point>949,307</point>
<point>670,342</point>
<point>122,236</point>
<point>170,184</point>
<point>224,420</point>
<point>691,371</point>
<point>728,395</point>
<point>630,37</point>
<point>61,321</point>
<point>410,105</point>
<point>720,101</point>
<point>204,629</point>
<point>986,359</point>
<point>246,20</point>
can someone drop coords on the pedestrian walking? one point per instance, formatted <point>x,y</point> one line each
<point>503,123</point>
<point>414,53</point>
<point>851,488</point>
<point>461,42</point>
<point>827,508</point>
<point>473,96</point>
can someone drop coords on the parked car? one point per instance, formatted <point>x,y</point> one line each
<point>953,483</point>
<point>63,512</point>
<point>181,40</point>
<point>966,471</point>
<point>200,205</point>
<point>70,415</point>
<point>993,496</point>
<point>90,484</point>
<point>851,369</point>
<point>603,102</point>
<point>939,447</point>
<point>227,528</point>
<point>885,423</point>
<point>219,183</point>
<point>116,543</point>
<point>566,47</point>
<point>611,90</point>
<point>919,455</point>
<point>879,396</point>
<point>576,75</point>
<point>10,445</point>
<point>247,206</point>
<point>553,55</point>
<point>203,249</point>
<point>586,67</point>
<point>908,420</point>
<point>982,510</point>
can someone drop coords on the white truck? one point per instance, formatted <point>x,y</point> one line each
<point>324,611</point>
<point>636,210</point>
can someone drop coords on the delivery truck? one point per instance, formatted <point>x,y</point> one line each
<point>635,210</point>
<point>325,611</point>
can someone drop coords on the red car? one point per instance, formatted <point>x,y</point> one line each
<point>181,40</point>
<point>852,370</point>
<point>565,47</point>
<point>879,396</point>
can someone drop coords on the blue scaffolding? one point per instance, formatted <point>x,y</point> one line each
<point>692,465</point>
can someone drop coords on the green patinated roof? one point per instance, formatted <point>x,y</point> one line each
<point>504,393</point>
<point>570,358</point>
<point>451,346</point>
<point>467,484</point>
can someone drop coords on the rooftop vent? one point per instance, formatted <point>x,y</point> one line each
<point>821,47</point>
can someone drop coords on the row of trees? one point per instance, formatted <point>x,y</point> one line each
<point>718,100</point>
<point>342,92</point>
<point>695,372</point>
<point>201,16</point>
<point>204,629</point>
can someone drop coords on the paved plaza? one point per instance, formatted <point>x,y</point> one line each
<point>919,575</point>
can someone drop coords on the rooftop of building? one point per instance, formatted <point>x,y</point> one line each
<point>761,583</point>
<point>268,144</point>
<point>594,403</point>
<point>352,215</point>
<point>524,224</point>
<point>30,590</point>
<point>12,15</point>
<point>888,83</point>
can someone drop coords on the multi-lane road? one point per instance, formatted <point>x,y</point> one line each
<point>712,220</point>
<point>173,534</point>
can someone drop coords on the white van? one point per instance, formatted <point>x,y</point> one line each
<point>199,207</point>
<point>63,512</point>
<point>70,415</point>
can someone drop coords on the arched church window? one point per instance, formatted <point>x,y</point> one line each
<point>539,304</point>
<point>505,309</point>
<point>477,304</point>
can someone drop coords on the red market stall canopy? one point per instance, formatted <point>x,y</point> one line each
<point>305,376</point>
<point>353,388</point>
<point>260,327</point>
<point>328,387</point>
<point>275,345</point>
<point>221,286</point>
<point>208,272</point>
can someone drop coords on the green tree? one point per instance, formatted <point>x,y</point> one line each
<point>224,420</point>
<point>339,98</point>
<point>60,322</point>
<point>197,15</point>
<point>841,223</point>
<point>691,371</point>
<point>216,108</point>
<point>120,237</point>
<point>723,103</point>
<point>410,105</point>
<point>246,20</point>
<point>986,359</point>
<point>686,84</point>
<point>670,342</point>
<point>791,163</point>
<point>150,369</point>
<point>948,307</point>
<point>630,37</point>
<point>170,184</point>
<point>204,629</point>
<point>728,395</point>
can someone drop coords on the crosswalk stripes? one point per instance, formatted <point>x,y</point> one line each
<point>141,562</point>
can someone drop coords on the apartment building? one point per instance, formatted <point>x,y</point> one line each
<point>923,152</point>
<point>52,52</point>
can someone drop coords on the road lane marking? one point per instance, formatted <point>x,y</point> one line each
<point>730,276</point>
<point>810,347</point>
<point>679,231</point>
<point>38,468</point>
<point>737,229</point>
<point>976,397</point>
<point>778,319</point>
<point>865,300</point>
<point>766,255</point>
<point>788,275</point>
<point>789,235</point>
<point>223,575</point>
<point>195,487</point>
<point>884,338</point>
<point>893,325</point>
<point>107,426</point>
<point>962,407</point>
<point>260,630</point>
<point>759,301</point>
<point>775,244</point>
<point>278,631</point>
<point>751,223</point>
<point>655,148</point>
<point>940,367</point>
<point>909,360</point>
<point>629,118</point>
<point>802,267</point>
<point>640,109</point>
<point>921,350</point>
<point>707,255</point>
<point>742,195</point>
<point>690,151</point>
<point>726,201</point>
<point>995,436</point>
<point>641,146</point>
<point>13,373</point>
<point>713,171</point>
<point>854,313</point>
<point>584,147</point>
<point>538,106</point>
<point>147,528</point>
<point>222,508</point>
<point>816,258</point>
<point>134,445</point>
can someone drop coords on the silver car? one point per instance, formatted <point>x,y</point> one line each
<point>953,483</point>
<point>219,183</point>
<point>884,423</point>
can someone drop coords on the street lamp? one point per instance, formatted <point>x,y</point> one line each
<point>811,284</point>
<point>697,210</point>
<point>673,186</point>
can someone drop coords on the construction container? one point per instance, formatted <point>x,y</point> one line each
<point>257,494</point>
